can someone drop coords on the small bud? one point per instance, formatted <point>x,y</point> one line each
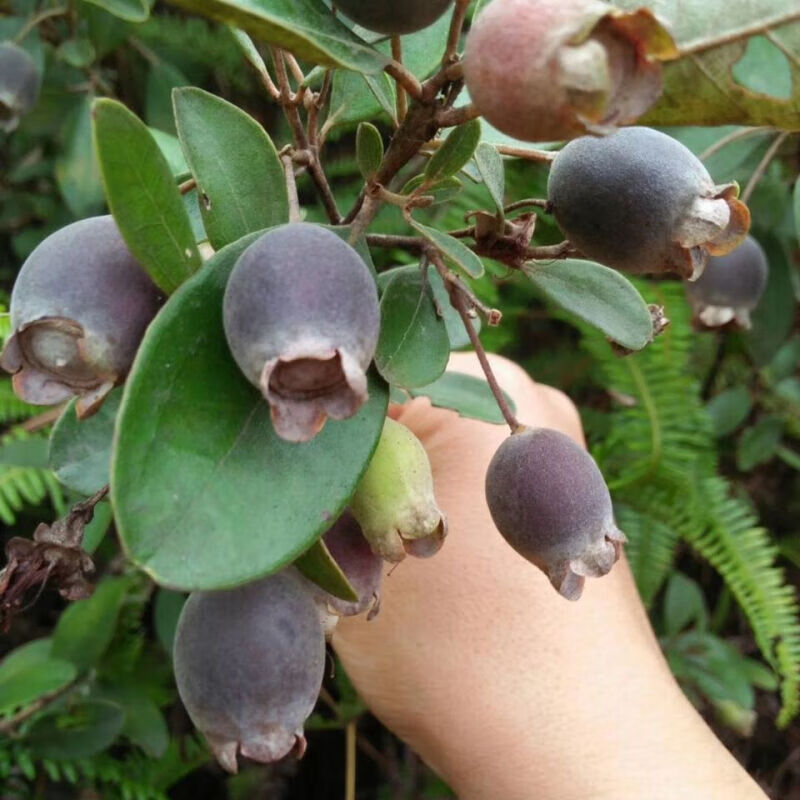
<point>20,82</point>
<point>249,665</point>
<point>394,501</point>
<point>79,309</point>
<point>301,318</point>
<point>641,202</point>
<point>549,501</point>
<point>542,70</point>
<point>730,287</point>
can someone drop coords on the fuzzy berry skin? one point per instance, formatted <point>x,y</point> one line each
<point>392,17</point>
<point>249,664</point>
<point>302,321</point>
<point>542,70</point>
<point>641,202</point>
<point>730,286</point>
<point>20,82</point>
<point>79,309</point>
<point>549,501</point>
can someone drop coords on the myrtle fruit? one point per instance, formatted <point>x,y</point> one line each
<point>548,499</point>
<point>249,664</point>
<point>392,17</point>
<point>544,70</point>
<point>730,286</point>
<point>20,82</point>
<point>79,309</point>
<point>394,502</point>
<point>641,202</point>
<point>362,568</point>
<point>302,321</point>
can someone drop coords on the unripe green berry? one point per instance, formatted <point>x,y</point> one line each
<point>548,499</point>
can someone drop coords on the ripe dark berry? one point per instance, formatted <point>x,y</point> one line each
<point>302,321</point>
<point>79,309</point>
<point>249,665</point>
<point>639,201</point>
<point>730,286</point>
<point>390,16</point>
<point>394,501</point>
<point>549,500</point>
<point>544,70</point>
<point>20,82</point>
<point>351,551</point>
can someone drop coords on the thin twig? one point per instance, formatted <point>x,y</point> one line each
<point>454,36</point>
<point>535,202</point>
<point>323,187</point>
<point>350,760</point>
<point>43,420</point>
<point>762,165</point>
<point>457,299</point>
<point>294,68</point>
<point>291,188</point>
<point>537,156</point>
<point>402,99</point>
<point>450,117</point>
<point>413,243</point>
<point>405,79</point>
<point>288,100</point>
<point>187,186</point>
<point>733,136</point>
<point>60,11</point>
<point>8,726</point>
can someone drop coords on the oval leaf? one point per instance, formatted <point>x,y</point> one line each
<point>129,10</point>
<point>455,251</point>
<point>238,172</point>
<point>31,671</point>
<point>729,409</point>
<point>759,443</point>
<point>78,732</point>
<point>369,149</point>
<point>413,347</point>
<point>490,166</point>
<point>456,150</point>
<point>304,27</point>
<point>142,195</point>
<point>469,396</point>
<point>80,451</point>
<point>318,565</point>
<point>597,295</point>
<point>206,496</point>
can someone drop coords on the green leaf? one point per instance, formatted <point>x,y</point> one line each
<point>171,149</point>
<point>597,295</point>
<point>454,153</point>
<point>455,251</point>
<point>759,443</point>
<point>413,347</point>
<point>86,628</point>
<point>97,528</point>
<point>249,50</point>
<point>78,53</point>
<point>80,450</point>
<point>764,69</point>
<point>76,170</point>
<point>684,605</point>
<point>304,27</point>
<point>166,611</point>
<point>729,409</point>
<point>206,495</point>
<point>442,191</point>
<point>129,10</point>
<point>144,723</point>
<point>31,671</point>
<point>143,196</point>
<point>490,166</point>
<point>24,453</point>
<point>238,172</point>
<point>318,566</point>
<point>78,732</point>
<point>469,396</point>
<point>162,78</point>
<point>369,149</point>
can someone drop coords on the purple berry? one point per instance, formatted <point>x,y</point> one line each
<point>549,501</point>
<point>302,321</point>
<point>79,309</point>
<point>249,665</point>
<point>20,82</point>
<point>390,16</point>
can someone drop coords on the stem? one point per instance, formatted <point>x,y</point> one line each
<point>8,726</point>
<point>535,202</point>
<point>43,420</point>
<point>454,36</point>
<point>414,243</point>
<point>297,73</point>
<point>402,99</point>
<point>762,165</point>
<point>458,302</point>
<point>404,78</point>
<point>291,189</point>
<point>733,136</point>
<point>187,186</point>
<point>451,117</point>
<point>350,760</point>
<point>34,21</point>
<point>537,156</point>
<point>288,100</point>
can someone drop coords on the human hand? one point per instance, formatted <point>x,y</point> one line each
<point>502,686</point>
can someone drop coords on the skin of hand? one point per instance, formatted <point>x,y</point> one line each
<point>503,687</point>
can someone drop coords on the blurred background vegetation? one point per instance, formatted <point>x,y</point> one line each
<point>697,436</point>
